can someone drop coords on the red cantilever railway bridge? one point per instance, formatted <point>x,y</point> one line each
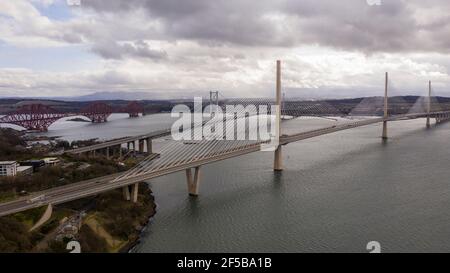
<point>38,117</point>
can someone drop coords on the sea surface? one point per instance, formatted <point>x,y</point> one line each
<point>337,192</point>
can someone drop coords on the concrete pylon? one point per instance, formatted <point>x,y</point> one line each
<point>134,192</point>
<point>278,162</point>
<point>126,193</point>
<point>149,145</point>
<point>107,153</point>
<point>429,105</point>
<point>193,182</point>
<point>385,135</point>
<point>141,145</point>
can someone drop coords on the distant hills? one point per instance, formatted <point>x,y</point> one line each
<point>113,95</point>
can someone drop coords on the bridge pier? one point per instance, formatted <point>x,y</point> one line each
<point>126,193</point>
<point>120,151</point>
<point>131,145</point>
<point>429,105</point>
<point>107,153</point>
<point>133,195</point>
<point>278,160</point>
<point>193,182</point>
<point>385,134</point>
<point>149,145</point>
<point>141,145</point>
<point>134,192</point>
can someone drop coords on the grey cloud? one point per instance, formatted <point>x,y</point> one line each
<point>138,49</point>
<point>347,24</point>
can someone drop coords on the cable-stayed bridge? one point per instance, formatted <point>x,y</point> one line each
<point>190,155</point>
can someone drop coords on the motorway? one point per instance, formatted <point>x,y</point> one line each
<point>178,158</point>
<point>55,195</point>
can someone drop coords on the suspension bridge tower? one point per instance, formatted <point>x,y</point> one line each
<point>214,98</point>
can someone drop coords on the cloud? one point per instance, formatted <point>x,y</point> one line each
<point>138,49</point>
<point>231,45</point>
<point>394,26</point>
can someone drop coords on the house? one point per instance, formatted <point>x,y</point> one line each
<point>36,164</point>
<point>24,170</point>
<point>51,161</point>
<point>8,168</point>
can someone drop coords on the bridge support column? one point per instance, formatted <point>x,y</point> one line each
<point>429,105</point>
<point>193,182</point>
<point>126,193</point>
<point>107,153</point>
<point>120,151</point>
<point>385,135</point>
<point>278,160</point>
<point>141,145</point>
<point>131,145</point>
<point>149,145</point>
<point>134,192</point>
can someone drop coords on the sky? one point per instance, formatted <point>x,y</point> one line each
<point>182,48</point>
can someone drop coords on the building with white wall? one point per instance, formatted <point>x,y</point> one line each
<point>8,168</point>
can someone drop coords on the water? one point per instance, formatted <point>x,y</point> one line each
<point>337,193</point>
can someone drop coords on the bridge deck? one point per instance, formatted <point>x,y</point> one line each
<point>119,141</point>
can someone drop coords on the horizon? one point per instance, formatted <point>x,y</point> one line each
<point>78,99</point>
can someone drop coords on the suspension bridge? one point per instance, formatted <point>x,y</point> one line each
<point>190,156</point>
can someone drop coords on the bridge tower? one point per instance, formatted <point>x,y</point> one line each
<point>278,162</point>
<point>214,98</point>
<point>193,182</point>
<point>385,136</point>
<point>429,105</point>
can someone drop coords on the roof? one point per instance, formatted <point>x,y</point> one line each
<point>7,162</point>
<point>23,168</point>
<point>32,161</point>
